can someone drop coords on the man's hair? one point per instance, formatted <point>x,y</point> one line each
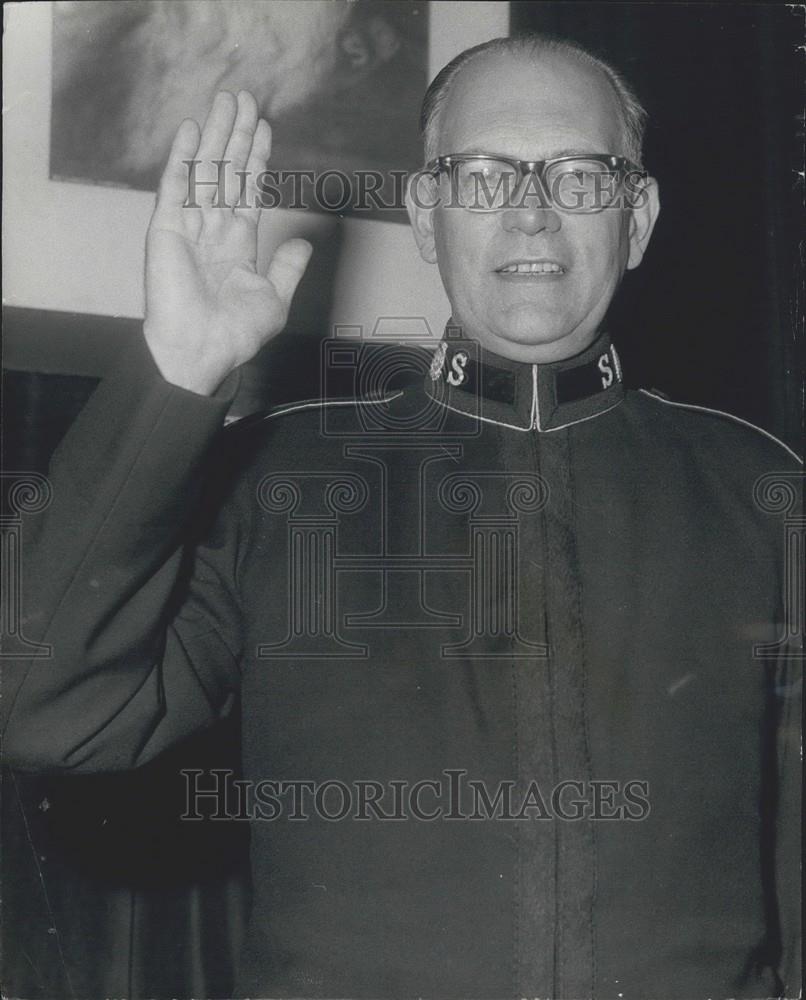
<point>631,112</point>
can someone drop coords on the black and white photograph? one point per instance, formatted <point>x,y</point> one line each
<point>402,500</point>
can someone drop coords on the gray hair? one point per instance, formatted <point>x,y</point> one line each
<point>631,112</point>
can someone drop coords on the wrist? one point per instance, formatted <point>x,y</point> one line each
<point>200,383</point>
<point>193,371</point>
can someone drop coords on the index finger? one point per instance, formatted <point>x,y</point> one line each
<point>173,186</point>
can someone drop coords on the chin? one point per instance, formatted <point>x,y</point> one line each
<point>527,335</point>
<point>532,339</point>
<point>530,326</point>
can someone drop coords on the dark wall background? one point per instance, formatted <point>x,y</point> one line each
<point>713,315</point>
<point>104,893</point>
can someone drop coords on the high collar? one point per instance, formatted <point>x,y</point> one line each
<point>543,397</point>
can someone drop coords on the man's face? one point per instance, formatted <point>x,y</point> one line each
<point>531,109</point>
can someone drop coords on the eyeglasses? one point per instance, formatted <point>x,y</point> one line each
<point>576,184</point>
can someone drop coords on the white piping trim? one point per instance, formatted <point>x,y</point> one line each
<point>535,401</point>
<point>318,404</point>
<point>486,420</point>
<point>722,413</point>
<point>590,416</point>
<point>532,426</point>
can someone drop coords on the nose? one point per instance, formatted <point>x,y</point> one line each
<point>531,220</point>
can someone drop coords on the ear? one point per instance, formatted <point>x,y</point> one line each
<point>643,215</point>
<point>421,200</point>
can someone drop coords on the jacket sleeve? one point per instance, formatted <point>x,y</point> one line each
<point>137,607</point>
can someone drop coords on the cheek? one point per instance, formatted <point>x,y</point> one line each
<point>603,250</point>
<point>460,244</point>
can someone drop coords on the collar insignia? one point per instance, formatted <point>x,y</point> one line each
<point>526,396</point>
<point>438,361</point>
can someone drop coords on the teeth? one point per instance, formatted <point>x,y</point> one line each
<point>533,267</point>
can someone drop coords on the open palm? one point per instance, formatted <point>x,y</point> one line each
<point>208,309</point>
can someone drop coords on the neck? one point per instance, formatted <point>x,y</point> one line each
<point>534,354</point>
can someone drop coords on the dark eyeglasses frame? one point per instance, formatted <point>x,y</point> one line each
<point>526,167</point>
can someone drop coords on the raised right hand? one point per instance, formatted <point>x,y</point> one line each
<point>208,309</point>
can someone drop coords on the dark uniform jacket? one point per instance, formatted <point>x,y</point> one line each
<point>519,719</point>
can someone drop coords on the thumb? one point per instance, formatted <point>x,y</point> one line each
<point>287,267</point>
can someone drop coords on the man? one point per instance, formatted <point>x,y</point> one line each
<point>495,636</point>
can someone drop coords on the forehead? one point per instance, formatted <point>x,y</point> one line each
<point>530,106</point>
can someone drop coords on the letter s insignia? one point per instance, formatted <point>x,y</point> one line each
<point>603,364</point>
<point>457,375</point>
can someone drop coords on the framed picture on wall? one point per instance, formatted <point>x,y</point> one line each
<point>340,82</point>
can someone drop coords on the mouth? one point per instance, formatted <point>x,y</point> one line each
<point>531,268</point>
